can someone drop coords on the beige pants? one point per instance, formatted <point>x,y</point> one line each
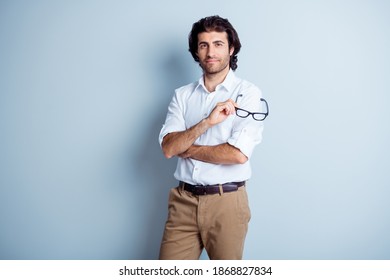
<point>217,222</point>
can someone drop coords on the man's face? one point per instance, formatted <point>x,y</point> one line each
<point>213,51</point>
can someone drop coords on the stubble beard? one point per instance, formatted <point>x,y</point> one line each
<point>213,69</point>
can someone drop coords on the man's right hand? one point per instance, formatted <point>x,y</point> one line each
<point>221,112</point>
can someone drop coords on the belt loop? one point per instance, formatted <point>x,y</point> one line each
<point>181,187</point>
<point>220,189</point>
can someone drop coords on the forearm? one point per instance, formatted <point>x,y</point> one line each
<point>219,154</point>
<point>176,143</point>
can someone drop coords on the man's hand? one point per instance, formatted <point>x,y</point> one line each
<point>221,111</point>
<point>187,154</point>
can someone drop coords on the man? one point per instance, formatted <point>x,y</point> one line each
<point>209,209</point>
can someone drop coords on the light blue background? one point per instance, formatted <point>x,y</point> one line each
<point>84,89</point>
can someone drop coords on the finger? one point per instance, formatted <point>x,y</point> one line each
<point>223,107</point>
<point>231,108</point>
<point>234,104</point>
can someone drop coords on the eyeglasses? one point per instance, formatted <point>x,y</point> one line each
<point>257,116</point>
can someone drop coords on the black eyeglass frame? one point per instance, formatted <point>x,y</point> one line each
<point>257,116</point>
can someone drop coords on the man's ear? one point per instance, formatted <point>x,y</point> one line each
<point>231,51</point>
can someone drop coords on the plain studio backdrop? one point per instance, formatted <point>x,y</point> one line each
<point>84,90</point>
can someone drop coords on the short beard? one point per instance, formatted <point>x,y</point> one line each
<point>216,71</point>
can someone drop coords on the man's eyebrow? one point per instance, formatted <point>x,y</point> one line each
<point>214,42</point>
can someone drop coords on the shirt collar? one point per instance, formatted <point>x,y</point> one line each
<point>228,83</point>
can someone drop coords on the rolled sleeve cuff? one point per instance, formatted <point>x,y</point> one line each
<point>166,130</point>
<point>246,140</point>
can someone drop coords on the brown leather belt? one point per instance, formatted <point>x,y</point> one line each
<point>211,189</point>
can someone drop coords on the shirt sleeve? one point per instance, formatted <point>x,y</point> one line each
<point>247,132</point>
<point>175,118</point>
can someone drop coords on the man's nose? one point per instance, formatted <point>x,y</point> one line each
<point>210,51</point>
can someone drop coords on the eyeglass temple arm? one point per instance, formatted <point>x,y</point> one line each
<point>266,104</point>
<point>240,95</point>
<point>261,99</point>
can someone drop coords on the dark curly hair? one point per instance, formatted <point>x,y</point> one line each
<point>214,23</point>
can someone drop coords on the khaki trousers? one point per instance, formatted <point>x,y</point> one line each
<point>217,222</point>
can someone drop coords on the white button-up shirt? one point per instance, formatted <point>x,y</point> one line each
<point>192,103</point>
